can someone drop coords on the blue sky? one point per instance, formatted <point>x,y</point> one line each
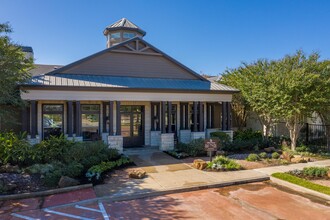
<point>207,36</point>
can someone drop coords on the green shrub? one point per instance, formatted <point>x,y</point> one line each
<point>302,182</point>
<point>222,162</point>
<point>39,168</point>
<point>222,136</point>
<point>247,134</point>
<point>53,149</point>
<point>90,153</point>
<point>263,155</point>
<point>240,145</point>
<point>51,178</point>
<point>97,170</point>
<point>194,148</point>
<point>275,155</point>
<point>315,171</point>
<point>253,157</point>
<point>73,169</point>
<point>14,149</point>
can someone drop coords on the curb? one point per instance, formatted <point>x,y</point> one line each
<point>45,193</point>
<point>299,188</point>
<point>169,191</point>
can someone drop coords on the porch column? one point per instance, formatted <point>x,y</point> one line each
<point>34,120</point>
<point>118,121</point>
<point>181,116</point>
<point>212,115</point>
<point>78,119</point>
<point>201,117</point>
<point>169,117</point>
<point>26,118</point>
<point>104,117</point>
<point>224,116</point>
<point>208,115</point>
<point>186,116</point>
<point>70,118</point>
<point>111,118</point>
<point>152,110</point>
<point>228,116</point>
<point>158,117</point>
<point>163,129</point>
<point>195,116</point>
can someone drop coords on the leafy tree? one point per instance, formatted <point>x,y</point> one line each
<point>301,87</point>
<point>254,81</point>
<point>14,69</point>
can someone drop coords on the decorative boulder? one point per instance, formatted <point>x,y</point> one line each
<point>287,156</point>
<point>329,173</point>
<point>199,164</point>
<point>137,174</point>
<point>298,159</point>
<point>66,181</point>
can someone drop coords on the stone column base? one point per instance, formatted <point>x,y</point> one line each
<point>116,142</point>
<point>184,136</point>
<point>74,138</point>
<point>155,138</point>
<point>105,137</point>
<point>210,130</point>
<point>197,135</point>
<point>166,142</point>
<point>33,141</point>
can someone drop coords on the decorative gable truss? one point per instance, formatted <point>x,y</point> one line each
<point>137,47</point>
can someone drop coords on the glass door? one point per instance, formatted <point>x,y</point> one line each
<point>132,128</point>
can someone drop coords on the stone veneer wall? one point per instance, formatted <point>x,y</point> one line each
<point>116,142</point>
<point>105,137</point>
<point>184,136</point>
<point>197,135</point>
<point>33,141</point>
<point>155,138</point>
<point>166,142</point>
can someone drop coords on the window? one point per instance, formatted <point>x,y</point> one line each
<point>128,35</point>
<point>90,122</point>
<point>173,118</point>
<point>52,120</point>
<point>115,35</point>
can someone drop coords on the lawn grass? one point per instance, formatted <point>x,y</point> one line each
<point>302,182</point>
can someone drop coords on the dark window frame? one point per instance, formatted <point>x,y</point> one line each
<point>43,111</point>
<point>90,112</point>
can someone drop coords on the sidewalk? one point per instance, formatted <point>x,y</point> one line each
<point>166,174</point>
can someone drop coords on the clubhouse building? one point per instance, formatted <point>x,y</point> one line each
<point>130,94</point>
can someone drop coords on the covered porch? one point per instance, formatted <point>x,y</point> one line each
<point>127,123</point>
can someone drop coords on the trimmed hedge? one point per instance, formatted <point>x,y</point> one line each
<point>302,182</point>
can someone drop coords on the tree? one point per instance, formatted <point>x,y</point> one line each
<point>14,69</point>
<point>301,87</point>
<point>254,81</point>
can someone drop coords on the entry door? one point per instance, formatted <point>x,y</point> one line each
<point>132,126</point>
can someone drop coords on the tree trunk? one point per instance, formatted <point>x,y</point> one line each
<point>294,128</point>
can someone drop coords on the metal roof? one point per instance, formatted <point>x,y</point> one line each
<point>42,69</point>
<point>124,23</point>
<point>76,80</point>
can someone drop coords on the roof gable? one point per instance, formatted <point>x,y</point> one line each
<point>132,58</point>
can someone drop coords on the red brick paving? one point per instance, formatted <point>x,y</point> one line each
<point>249,201</point>
<point>65,198</point>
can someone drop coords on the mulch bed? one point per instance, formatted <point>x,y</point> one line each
<point>21,183</point>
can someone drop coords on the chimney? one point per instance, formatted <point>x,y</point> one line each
<point>28,51</point>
